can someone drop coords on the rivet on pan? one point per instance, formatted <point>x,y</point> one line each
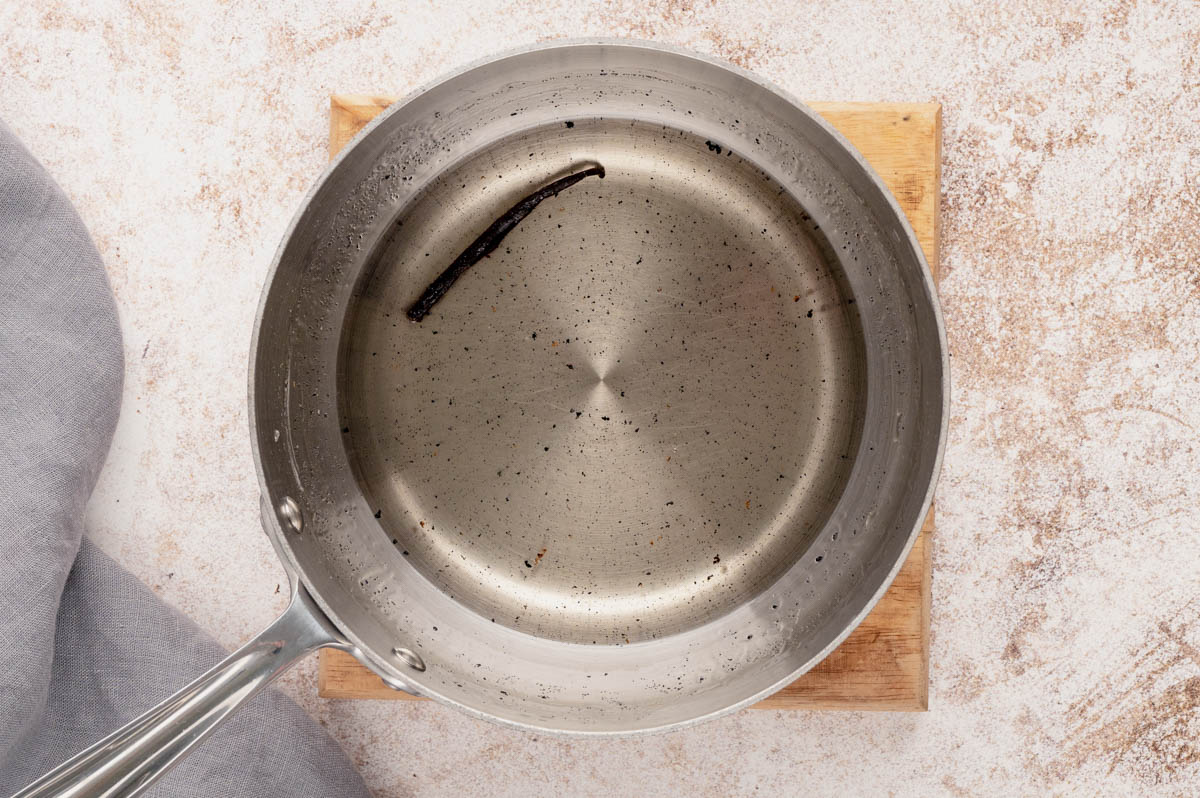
<point>410,658</point>
<point>289,511</point>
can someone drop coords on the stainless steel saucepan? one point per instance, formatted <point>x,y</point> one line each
<point>646,463</point>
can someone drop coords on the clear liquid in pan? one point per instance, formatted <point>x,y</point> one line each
<point>631,417</point>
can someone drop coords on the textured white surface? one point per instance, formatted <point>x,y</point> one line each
<point>1066,652</point>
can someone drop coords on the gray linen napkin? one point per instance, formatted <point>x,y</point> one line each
<point>84,646</point>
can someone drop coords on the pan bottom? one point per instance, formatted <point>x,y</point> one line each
<point>630,418</point>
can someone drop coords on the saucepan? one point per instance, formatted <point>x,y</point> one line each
<point>659,442</point>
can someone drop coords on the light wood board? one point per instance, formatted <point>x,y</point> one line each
<point>884,663</point>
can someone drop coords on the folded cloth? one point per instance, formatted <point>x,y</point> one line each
<point>84,646</point>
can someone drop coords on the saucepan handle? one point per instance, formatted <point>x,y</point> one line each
<point>128,761</point>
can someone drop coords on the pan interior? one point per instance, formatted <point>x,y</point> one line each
<point>635,414</point>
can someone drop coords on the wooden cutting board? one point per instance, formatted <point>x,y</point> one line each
<point>884,663</point>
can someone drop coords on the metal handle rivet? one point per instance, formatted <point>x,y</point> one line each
<point>410,658</point>
<point>289,512</point>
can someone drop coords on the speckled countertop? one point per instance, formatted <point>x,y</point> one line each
<point>1066,611</point>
